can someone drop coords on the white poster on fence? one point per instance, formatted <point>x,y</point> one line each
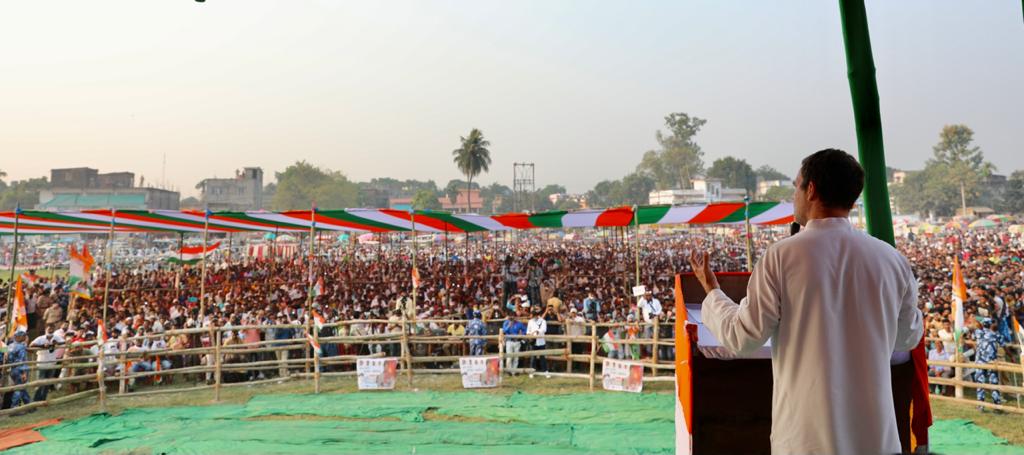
<point>480,372</point>
<point>377,374</point>
<point>622,376</point>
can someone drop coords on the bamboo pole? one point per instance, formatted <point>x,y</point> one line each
<point>501,350</point>
<point>181,265</point>
<point>202,273</point>
<point>124,374</point>
<point>310,286</point>
<point>636,229</point>
<point>109,265</point>
<point>406,352</point>
<point>958,372</point>
<point>14,260</point>
<point>217,361</point>
<point>101,382</point>
<point>593,353</point>
<point>655,347</point>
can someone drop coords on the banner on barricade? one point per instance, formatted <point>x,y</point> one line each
<point>480,372</point>
<point>377,374</point>
<point>622,376</point>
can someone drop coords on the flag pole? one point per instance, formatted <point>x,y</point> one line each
<point>181,265</point>
<point>415,286</point>
<point>412,218</point>
<point>202,273</point>
<point>14,260</point>
<point>636,234</point>
<point>309,300</point>
<point>109,264</point>
<point>750,246</point>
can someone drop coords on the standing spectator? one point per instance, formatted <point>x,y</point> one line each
<point>535,275</point>
<point>988,341</point>
<point>591,306</point>
<point>946,335</point>
<point>46,356</point>
<point>476,328</point>
<point>513,327</point>
<point>575,326</point>
<point>538,327</point>
<point>650,310</point>
<point>508,278</point>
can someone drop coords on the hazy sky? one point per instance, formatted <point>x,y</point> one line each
<point>385,88</point>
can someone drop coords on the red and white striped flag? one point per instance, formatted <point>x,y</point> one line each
<point>415,277</point>
<point>313,344</point>
<point>318,320</point>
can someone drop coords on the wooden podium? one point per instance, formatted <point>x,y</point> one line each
<point>724,402</point>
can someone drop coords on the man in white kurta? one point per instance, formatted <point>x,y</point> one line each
<point>835,303</point>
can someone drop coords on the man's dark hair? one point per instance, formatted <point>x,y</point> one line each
<point>837,176</point>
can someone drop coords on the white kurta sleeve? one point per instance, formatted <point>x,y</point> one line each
<point>744,328</point>
<point>909,323</point>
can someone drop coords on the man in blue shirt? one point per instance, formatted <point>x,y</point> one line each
<point>987,341</point>
<point>476,327</point>
<point>591,306</point>
<point>512,326</point>
<point>17,352</point>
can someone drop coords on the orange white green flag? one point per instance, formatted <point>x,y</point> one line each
<point>959,297</point>
<point>19,315</point>
<point>80,275</point>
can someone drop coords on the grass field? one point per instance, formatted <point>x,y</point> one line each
<point>1006,426</point>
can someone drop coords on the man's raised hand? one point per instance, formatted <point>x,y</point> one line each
<point>700,262</point>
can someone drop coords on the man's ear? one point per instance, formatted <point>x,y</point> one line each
<point>812,192</point>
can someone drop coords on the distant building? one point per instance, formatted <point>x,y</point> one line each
<point>59,199</point>
<point>558,198</point>
<point>705,191</point>
<point>84,188</point>
<point>764,185</point>
<point>244,191</point>
<point>898,177</point>
<point>459,206</point>
<point>89,178</point>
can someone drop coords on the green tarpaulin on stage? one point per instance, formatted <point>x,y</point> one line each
<point>420,422</point>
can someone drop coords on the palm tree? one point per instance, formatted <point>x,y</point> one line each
<point>472,158</point>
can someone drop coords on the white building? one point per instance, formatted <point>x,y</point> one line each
<point>764,185</point>
<point>705,190</point>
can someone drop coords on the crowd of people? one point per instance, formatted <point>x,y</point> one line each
<point>532,286</point>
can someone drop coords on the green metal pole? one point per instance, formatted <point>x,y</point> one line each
<point>864,93</point>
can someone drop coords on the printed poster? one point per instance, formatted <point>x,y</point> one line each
<point>480,372</point>
<point>377,374</point>
<point>622,376</point>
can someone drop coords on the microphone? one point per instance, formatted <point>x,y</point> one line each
<point>794,228</point>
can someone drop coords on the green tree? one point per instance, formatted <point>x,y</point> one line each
<point>23,192</point>
<point>603,194</point>
<point>301,184</point>
<point>779,193</point>
<point>735,173</point>
<point>542,197</point>
<point>1013,198</point>
<point>928,191</point>
<point>426,200</point>
<point>455,186</point>
<point>472,158</point>
<point>767,172</point>
<point>680,158</point>
<point>965,163</point>
<point>633,189</point>
<point>497,198</point>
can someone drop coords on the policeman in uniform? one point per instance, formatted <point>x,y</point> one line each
<point>987,340</point>
<point>17,352</point>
